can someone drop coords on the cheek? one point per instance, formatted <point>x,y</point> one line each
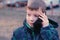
<point>35,19</point>
<point>27,18</point>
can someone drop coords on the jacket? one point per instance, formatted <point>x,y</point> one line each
<point>27,33</point>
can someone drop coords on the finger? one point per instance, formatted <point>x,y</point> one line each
<point>40,10</point>
<point>41,18</point>
<point>44,18</point>
<point>42,15</point>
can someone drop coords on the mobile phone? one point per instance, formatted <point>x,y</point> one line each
<point>38,25</point>
<point>38,22</point>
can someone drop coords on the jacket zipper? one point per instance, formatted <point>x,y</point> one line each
<point>33,35</point>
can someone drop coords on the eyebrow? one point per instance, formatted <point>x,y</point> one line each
<point>33,8</point>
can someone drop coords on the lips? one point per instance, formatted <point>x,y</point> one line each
<point>31,23</point>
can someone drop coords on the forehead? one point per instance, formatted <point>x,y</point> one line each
<point>33,10</point>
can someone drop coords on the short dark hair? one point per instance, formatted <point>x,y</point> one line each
<point>32,8</point>
<point>36,4</point>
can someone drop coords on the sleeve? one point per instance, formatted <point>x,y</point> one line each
<point>16,35</point>
<point>13,37</point>
<point>49,33</point>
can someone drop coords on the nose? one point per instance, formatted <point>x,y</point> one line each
<point>32,18</point>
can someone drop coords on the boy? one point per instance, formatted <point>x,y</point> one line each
<point>36,25</point>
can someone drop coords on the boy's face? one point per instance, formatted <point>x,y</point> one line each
<point>32,16</point>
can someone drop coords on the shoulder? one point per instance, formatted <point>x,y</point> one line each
<point>49,28</point>
<point>19,30</point>
<point>49,32</point>
<point>17,34</point>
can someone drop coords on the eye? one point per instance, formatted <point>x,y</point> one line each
<point>29,14</point>
<point>36,15</point>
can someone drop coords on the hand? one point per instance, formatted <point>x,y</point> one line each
<point>44,18</point>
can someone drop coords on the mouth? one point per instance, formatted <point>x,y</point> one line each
<point>31,23</point>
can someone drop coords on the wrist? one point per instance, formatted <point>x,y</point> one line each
<point>45,25</point>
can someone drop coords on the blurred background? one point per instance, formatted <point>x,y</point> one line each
<point>13,12</point>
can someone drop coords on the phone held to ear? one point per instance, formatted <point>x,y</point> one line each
<point>38,25</point>
<point>38,22</point>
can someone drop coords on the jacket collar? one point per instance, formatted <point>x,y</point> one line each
<point>28,28</point>
<point>27,25</point>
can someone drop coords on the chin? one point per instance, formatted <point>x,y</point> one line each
<point>31,24</point>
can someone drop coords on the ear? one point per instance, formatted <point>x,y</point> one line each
<point>26,8</point>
